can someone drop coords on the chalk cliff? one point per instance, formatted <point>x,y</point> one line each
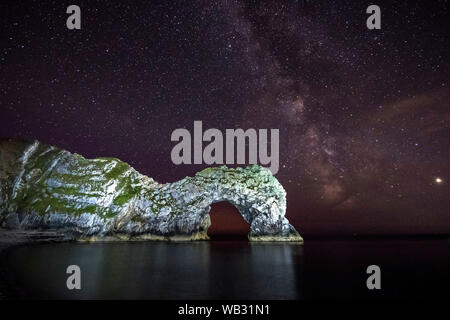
<point>43,187</point>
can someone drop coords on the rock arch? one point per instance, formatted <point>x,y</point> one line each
<point>254,191</point>
<point>226,222</point>
<point>45,187</point>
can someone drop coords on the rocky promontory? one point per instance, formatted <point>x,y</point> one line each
<point>46,188</point>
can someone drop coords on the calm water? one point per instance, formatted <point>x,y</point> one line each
<point>230,270</point>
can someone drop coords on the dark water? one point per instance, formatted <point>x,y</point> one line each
<point>230,270</point>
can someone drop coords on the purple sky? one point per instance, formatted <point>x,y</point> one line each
<point>363,115</point>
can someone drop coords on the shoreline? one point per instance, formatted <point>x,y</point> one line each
<point>13,238</point>
<point>9,238</point>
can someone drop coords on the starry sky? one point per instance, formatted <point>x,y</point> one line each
<point>363,115</point>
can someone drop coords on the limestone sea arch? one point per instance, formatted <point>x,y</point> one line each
<point>44,187</point>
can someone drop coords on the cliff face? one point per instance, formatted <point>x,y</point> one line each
<point>43,187</point>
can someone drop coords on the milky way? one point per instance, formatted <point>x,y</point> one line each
<point>363,114</point>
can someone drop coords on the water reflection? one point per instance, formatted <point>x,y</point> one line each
<point>230,270</point>
<point>202,270</point>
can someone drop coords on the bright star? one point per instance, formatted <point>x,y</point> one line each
<point>438,180</point>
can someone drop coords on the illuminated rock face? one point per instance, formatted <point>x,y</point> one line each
<point>43,187</point>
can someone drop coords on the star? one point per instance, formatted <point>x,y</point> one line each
<point>360,113</point>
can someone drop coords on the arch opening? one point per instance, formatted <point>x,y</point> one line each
<point>227,223</point>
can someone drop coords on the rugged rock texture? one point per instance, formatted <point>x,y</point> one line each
<point>43,187</point>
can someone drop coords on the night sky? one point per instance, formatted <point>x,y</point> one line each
<point>364,115</point>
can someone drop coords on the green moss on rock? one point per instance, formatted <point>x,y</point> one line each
<point>52,188</point>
